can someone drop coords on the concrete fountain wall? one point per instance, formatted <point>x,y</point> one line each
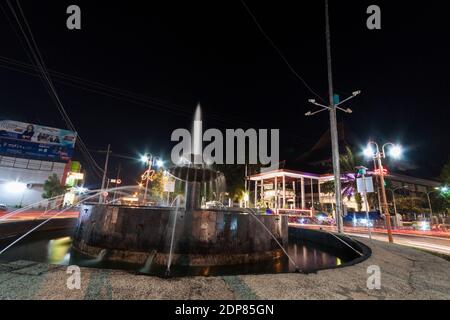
<point>201,238</point>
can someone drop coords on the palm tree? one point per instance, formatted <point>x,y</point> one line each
<point>348,162</point>
<point>52,187</point>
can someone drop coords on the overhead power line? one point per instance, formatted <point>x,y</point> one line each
<point>128,96</point>
<point>36,56</point>
<point>280,53</point>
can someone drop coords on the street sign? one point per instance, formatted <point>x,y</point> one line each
<point>360,185</point>
<point>169,186</point>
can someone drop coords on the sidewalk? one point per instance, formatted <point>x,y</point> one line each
<point>406,273</point>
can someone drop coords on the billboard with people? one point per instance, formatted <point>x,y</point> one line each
<point>35,141</point>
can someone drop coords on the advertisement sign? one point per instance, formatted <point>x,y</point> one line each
<point>30,140</point>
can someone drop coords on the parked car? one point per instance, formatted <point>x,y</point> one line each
<point>3,207</point>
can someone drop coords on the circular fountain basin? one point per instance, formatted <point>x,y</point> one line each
<point>153,235</point>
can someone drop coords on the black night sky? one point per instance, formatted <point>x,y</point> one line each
<point>170,55</point>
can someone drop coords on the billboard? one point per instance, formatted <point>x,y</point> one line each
<point>31,140</point>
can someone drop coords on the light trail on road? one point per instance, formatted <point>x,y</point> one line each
<point>432,241</point>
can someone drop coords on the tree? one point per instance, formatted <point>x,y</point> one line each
<point>445,173</point>
<point>409,204</point>
<point>235,177</point>
<point>444,205</point>
<point>53,187</point>
<point>348,162</point>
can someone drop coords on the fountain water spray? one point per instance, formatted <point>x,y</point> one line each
<point>57,214</point>
<point>197,137</point>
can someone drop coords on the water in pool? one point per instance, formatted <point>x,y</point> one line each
<point>55,248</point>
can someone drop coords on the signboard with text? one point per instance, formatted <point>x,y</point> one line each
<point>368,188</point>
<point>30,140</point>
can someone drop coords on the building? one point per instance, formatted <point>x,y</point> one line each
<point>301,192</point>
<point>302,186</point>
<point>29,155</point>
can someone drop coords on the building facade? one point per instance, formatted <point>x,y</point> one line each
<point>29,155</point>
<point>303,193</point>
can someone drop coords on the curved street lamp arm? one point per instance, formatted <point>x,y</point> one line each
<point>384,145</point>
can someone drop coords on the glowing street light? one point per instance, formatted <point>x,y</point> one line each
<point>145,158</point>
<point>159,163</point>
<point>16,186</point>
<point>368,151</point>
<point>396,151</point>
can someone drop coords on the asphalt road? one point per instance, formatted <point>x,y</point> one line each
<point>426,240</point>
<point>430,243</point>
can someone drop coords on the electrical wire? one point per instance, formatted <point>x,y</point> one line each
<point>280,53</point>
<point>146,102</point>
<point>37,57</point>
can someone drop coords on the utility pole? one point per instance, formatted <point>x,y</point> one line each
<point>105,170</point>
<point>333,128</point>
<point>331,107</point>
<point>117,179</point>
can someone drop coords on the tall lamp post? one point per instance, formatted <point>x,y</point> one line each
<point>395,152</point>
<point>148,159</point>
<point>393,200</point>
<point>429,202</point>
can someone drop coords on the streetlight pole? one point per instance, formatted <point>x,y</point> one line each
<point>393,200</point>
<point>384,199</point>
<point>429,205</point>
<point>117,179</point>
<point>105,170</point>
<point>377,183</point>
<point>150,160</point>
<point>395,151</point>
<point>431,210</point>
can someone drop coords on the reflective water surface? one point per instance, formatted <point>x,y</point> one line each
<point>55,248</point>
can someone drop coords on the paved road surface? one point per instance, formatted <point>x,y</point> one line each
<point>431,243</point>
<point>35,214</point>
<point>431,240</point>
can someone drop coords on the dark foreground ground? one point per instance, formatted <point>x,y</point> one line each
<point>406,273</point>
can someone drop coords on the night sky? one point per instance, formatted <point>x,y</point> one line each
<point>170,55</point>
